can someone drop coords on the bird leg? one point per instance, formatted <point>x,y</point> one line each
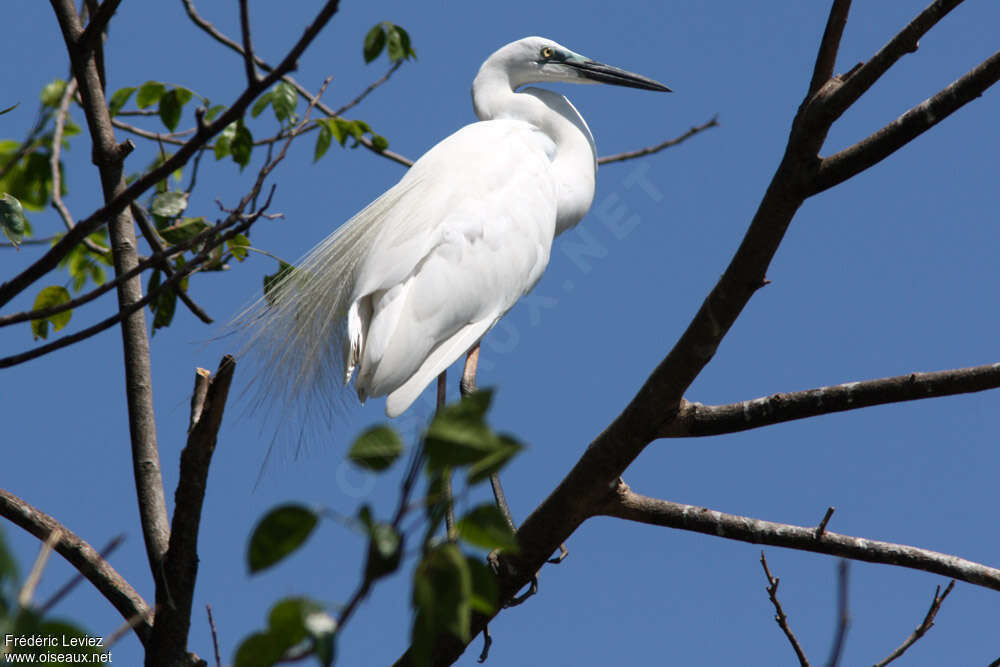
<point>468,386</point>
<point>449,517</point>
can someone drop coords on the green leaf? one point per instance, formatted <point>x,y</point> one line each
<point>238,246</point>
<point>164,303</point>
<point>259,650</point>
<point>284,100</point>
<point>376,449</point>
<point>280,532</point>
<point>275,279</point>
<point>261,104</point>
<point>12,220</point>
<point>54,295</point>
<point>399,44</point>
<point>119,99</point>
<point>459,435</point>
<point>286,620</point>
<point>214,111</point>
<point>169,204</point>
<point>380,142</point>
<point>485,590</point>
<point>492,463</point>
<point>323,140</point>
<point>385,549</point>
<point>442,591</point>
<point>52,92</point>
<point>223,141</point>
<point>485,526</point>
<point>374,43</point>
<point>242,145</point>
<point>184,229</point>
<point>171,105</point>
<point>149,94</point>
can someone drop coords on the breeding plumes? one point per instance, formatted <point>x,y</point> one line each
<point>414,281</point>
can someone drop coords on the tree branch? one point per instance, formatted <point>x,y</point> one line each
<point>870,151</point>
<point>624,504</point>
<point>218,36</point>
<point>826,59</point>
<point>841,97</point>
<point>649,150</point>
<point>924,626</point>
<point>152,238</point>
<point>779,614</point>
<point>50,259</point>
<point>248,56</point>
<point>91,35</point>
<point>843,614</point>
<point>82,556</point>
<point>180,566</point>
<point>109,157</point>
<point>695,419</point>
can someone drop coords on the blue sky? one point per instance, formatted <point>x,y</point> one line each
<point>892,272</point>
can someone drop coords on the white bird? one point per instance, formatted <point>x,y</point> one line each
<point>416,279</point>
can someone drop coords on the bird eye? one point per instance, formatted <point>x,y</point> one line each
<point>547,52</point>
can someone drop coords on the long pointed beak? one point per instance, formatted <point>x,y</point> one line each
<point>595,71</point>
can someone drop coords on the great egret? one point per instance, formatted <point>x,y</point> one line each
<point>417,278</point>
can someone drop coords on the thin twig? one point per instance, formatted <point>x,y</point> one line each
<point>843,614</point>
<point>35,576</point>
<point>66,588</point>
<point>215,635</point>
<point>649,150</point>
<point>248,56</point>
<point>57,136</point>
<point>218,36</point>
<point>369,90</point>
<point>779,614</point>
<point>821,528</point>
<point>153,239</point>
<point>924,626</point>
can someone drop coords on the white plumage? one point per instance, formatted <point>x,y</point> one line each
<point>413,281</point>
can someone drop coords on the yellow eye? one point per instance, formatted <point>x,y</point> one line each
<point>547,52</point>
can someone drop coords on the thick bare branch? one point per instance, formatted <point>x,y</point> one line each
<point>82,556</point>
<point>870,151</point>
<point>180,566</point>
<point>625,504</point>
<point>695,419</point>
<point>826,59</point>
<point>109,157</point>
<point>906,41</point>
<point>91,35</point>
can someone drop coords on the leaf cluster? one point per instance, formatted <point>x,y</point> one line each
<point>449,582</point>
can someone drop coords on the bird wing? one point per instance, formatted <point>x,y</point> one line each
<point>469,236</point>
